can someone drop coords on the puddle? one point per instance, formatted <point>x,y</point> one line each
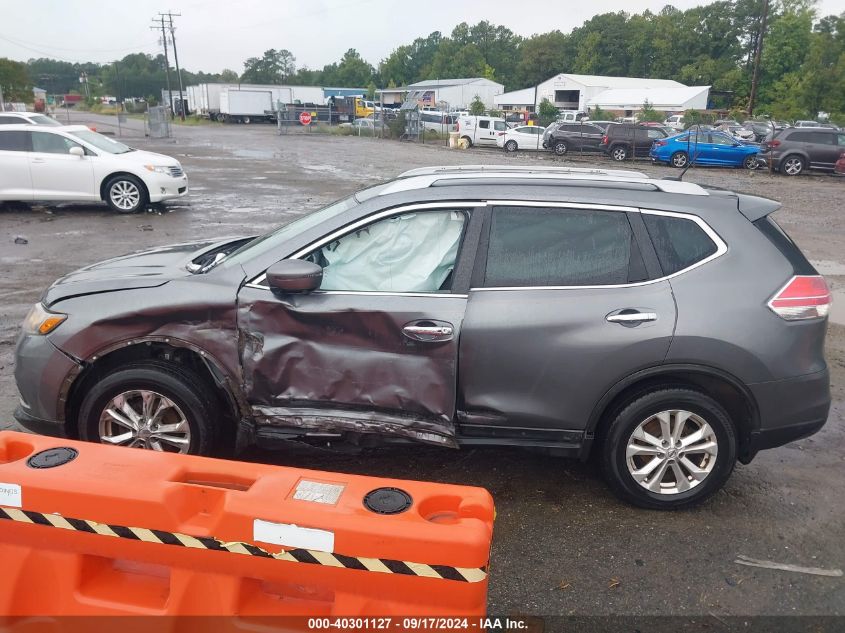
<point>837,310</point>
<point>254,153</point>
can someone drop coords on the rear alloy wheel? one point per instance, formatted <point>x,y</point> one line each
<point>750,161</point>
<point>246,120</point>
<point>679,160</point>
<point>126,194</point>
<point>671,448</point>
<point>511,146</point>
<point>153,405</point>
<point>792,165</point>
<point>619,153</point>
<point>560,148</point>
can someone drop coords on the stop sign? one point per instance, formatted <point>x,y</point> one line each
<point>305,118</point>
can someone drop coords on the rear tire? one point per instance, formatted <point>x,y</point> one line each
<point>679,160</point>
<point>186,421</point>
<point>511,146</point>
<point>619,153</point>
<point>750,162</point>
<point>681,476</point>
<point>792,165</point>
<point>126,194</point>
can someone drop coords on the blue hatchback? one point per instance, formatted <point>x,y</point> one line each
<point>705,147</point>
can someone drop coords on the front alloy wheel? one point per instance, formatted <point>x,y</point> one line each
<point>125,194</point>
<point>145,419</point>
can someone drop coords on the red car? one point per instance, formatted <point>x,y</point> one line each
<point>839,167</point>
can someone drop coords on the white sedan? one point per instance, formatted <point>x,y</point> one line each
<point>524,137</point>
<point>71,163</point>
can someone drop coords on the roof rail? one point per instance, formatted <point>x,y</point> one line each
<point>519,169</point>
<point>427,177</point>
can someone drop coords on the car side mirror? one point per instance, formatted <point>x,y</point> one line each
<point>77,151</point>
<point>294,275</point>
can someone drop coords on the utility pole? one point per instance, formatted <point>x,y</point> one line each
<point>2,103</point>
<point>176,59</point>
<point>160,20</point>
<point>755,78</point>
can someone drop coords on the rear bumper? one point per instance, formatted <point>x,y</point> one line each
<point>789,410</point>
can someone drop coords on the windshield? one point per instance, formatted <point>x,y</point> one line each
<point>40,119</point>
<point>275,239</point>
<point>101,142</point>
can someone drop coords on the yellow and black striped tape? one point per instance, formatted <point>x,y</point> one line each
<point>312,557</point>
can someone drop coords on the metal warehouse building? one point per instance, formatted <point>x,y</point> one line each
<point>453,94</point>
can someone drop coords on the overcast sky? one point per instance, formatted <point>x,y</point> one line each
<point>216,34</point>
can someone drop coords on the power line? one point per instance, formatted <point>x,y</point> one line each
<point>24,43</point>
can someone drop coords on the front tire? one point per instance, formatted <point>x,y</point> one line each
<point>671,448</point>
<point>511,146</point>
<point>126,194</point>
<point>150,404</point>
<point>560,148</point>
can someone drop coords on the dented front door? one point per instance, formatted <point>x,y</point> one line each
<point>352,362</point>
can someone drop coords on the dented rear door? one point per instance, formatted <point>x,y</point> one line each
<point>375,349</point>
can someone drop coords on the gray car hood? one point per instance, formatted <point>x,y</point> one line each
<point>145,269</point>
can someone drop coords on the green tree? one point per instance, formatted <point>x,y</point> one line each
<point>649,115</point>
<point>548,112</point>
<point>228,76</point>
<point>542,56</point>
<point>351,72</point>
<point>14,80</point>
<point>273,67</point>
<point>477,106</point>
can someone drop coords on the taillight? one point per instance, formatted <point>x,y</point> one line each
<point>604,140</point>
<point>803,297</point>
<point>659,143</point>
<point>500,134</point>
<point>774,143</point>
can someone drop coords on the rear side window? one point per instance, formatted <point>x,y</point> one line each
<point>801,137</point>
<point>14,141</point>
<point>679,242</point>
<point>11,120</point>
<point>532,246</point>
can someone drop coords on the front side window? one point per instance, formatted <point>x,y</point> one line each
<point>409,252</point>
<point>823,138</point>
<point>51,143</point>
<point>532,246</point>
<point>484,124</point>
<point>841,139</point>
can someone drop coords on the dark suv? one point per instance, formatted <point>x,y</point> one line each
<point>667,328</point>
<point>624,140</point>
<point>577,137</point>
<point>797,149</point>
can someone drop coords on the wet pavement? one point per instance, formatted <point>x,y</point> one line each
<point>563,543</point>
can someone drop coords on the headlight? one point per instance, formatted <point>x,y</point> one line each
<point>42,321</point>
<point>159,169</point>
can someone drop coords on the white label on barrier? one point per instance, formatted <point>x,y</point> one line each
<point>292,536</point>
<point>318,492</point>
<point>10,495</point>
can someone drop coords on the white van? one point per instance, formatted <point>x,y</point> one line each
<point>572,116</point>
<point>481,130</point>
<point>437,121</point>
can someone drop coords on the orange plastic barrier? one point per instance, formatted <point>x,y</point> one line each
<point>89,529</point>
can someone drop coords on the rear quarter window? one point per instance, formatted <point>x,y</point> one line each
<point>14,141</point>
<point>680,243</point>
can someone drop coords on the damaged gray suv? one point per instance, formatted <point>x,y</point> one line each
<point>667,328</point>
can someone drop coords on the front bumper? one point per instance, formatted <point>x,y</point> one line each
<point>789,410</point>
<point>40,374</point>
<point>165,187</point>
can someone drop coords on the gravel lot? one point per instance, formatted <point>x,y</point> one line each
<point>563,544</point>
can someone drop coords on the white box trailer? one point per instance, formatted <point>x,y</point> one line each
<point>245,106</point>
<point>204,99</point>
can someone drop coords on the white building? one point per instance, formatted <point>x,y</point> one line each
<point>574,92</point>
<point>525,99</point>
<point>455,94</point>
<point>627,101</point>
